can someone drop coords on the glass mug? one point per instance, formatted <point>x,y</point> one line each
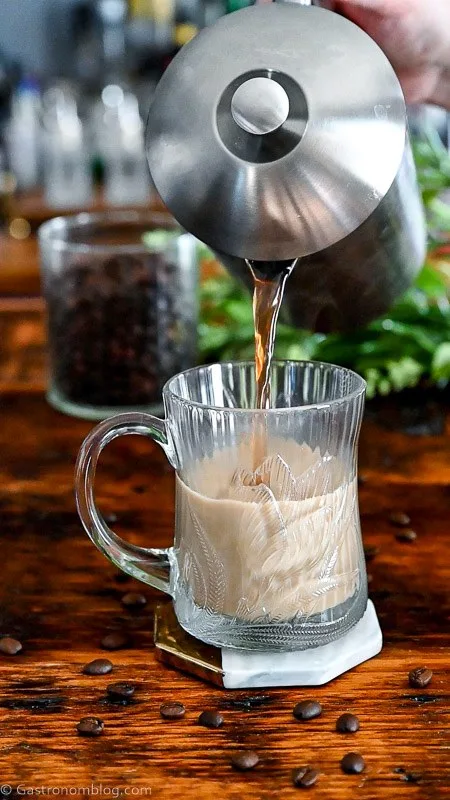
<point>121,296</point>
<point>268,552</point>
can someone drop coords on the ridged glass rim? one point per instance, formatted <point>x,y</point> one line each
<point>360,390</point>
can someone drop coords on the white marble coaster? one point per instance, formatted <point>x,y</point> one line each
<point>250,669</point>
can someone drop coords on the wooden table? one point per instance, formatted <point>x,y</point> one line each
<point>59,596</point>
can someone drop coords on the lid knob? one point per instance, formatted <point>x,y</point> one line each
<point>260,106</point>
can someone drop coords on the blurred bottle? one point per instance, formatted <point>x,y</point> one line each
<point>23,134</point>
<point>9,76</point>
<point>98,33</point>
<point>163,16</point>
<point>184,30</point>
<point>7,189</point>
<point>236,5</point>
<point>151,34</point>
<point>156,16</point>
<point>67,173</point>
<point>86,42</point>
<point>187,23</point>
<point>113,16</point>
<point>120,141</point>
<point>212,11</point>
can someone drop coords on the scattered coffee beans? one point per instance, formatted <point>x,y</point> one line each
<point>172,710</point>
<point>406,535</point>
<point>347,723</point>
<point>115,641</point>
<point>134,600</point>
<point>210,719</point>
<point>121,691</point>
<point>307,709</point>
<point>420,677</point>
<point>99,666</point>
<point>244,760</point>
<point>10,646</point>
<point>90,726</point>
<point>352,764</point>
<point>400,519</point>
<point>370,551</point>
<point>304,777</point>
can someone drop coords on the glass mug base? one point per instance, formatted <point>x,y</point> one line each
<point>254,544</point>
<point>95,413</point>
<point>266,635</point>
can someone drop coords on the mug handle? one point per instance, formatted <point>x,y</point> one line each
<point>150,565</point>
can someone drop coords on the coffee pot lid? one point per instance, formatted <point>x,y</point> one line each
<point>276,132</point>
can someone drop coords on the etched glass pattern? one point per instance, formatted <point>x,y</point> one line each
<point>268,557</point>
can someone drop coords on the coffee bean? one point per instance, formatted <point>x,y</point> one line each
<point>406,535</point>
<point>307,709</point>
<point>353,764</point>
<point>134,600</point>
<point>304,777</point>
<point>362,478</point>
<point>210,719</point>
<point>370,551</point>
<point>172,710</point>
<point>420,677</point>
<point>244,760</point>
<point>347,723</point>
<point>400,519</point>
<point>121,690</point>
<point>115,641</point>
<point>90,726</point>
<point>10,646</point>
<point>99,666</point>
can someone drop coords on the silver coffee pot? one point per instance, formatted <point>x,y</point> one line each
<point>279,134</point>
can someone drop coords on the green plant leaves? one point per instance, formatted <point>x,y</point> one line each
<point>440,366</point>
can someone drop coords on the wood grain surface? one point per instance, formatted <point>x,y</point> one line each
<point>59,596</point>
<point>19,271</point>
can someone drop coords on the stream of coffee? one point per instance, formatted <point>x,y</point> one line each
<point>269,282</point>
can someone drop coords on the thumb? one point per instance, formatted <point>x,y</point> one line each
<point>391,8</point>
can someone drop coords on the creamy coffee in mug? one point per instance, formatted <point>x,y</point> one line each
<point>263,558</point>
<point>285,547</point>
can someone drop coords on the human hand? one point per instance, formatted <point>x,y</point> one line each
<point>415,35</point>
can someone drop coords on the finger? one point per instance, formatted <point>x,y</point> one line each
<point>391,8</point>
<point>421,86</point>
